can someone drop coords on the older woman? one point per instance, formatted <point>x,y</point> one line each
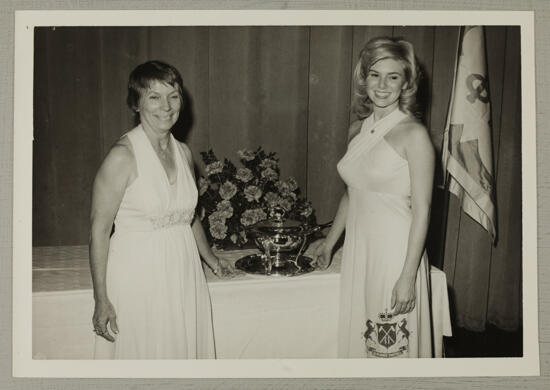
<point>388,169</point>
<point>149,285</point>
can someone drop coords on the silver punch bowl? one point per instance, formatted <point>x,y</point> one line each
<point>281,242</point>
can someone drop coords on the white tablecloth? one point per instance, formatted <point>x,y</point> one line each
<point>296,317</point>
<point>254,316</point>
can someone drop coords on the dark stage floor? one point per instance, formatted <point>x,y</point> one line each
<point>494,342</point>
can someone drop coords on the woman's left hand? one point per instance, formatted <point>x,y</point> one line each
<point>403,295</point>
<point>222,268</point>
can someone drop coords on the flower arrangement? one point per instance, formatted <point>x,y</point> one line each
<point>232,199</point>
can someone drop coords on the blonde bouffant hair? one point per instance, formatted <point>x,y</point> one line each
<point>378,49</point>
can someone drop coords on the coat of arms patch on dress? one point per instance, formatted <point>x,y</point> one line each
<point>387,338</point>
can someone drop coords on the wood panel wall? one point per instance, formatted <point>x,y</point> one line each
<point>287,89</point>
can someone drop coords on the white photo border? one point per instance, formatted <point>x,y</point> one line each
<point>25,366</point>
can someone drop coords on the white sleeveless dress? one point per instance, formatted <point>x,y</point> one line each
<point>154,275</point>
<point>377,231</point>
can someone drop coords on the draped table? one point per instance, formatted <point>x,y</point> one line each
<point>254,316</point>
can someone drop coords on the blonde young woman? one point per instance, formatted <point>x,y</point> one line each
<point>388,170</point>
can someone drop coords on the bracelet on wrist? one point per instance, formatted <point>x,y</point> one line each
<point>216,268</point>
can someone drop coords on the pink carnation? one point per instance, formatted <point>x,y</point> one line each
<point>225,208</point>
<point>292,184</point>
<point>272,199</point>
<point>252,193</point>
<point>228,190</point>
<point>217,217</point>
<point>218,231</point>
<point>268,163</point>
<point>244,175</point>
<point>270,174</point>
<point>213,168</point>
<point>248,218</point>
<point>246,154</point>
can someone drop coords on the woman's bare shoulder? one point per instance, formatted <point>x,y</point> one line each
<point>410,128</point>
<point>120,158</point>
<point>122,150</point>
<point>409,122</point>
<point>354,129</point>
<point>414,135</point>
<point>184,146</point>
<point>186,150</point>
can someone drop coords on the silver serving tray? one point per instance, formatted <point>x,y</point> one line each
<point>254,264</point>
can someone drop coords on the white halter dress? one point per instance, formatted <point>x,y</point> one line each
<point>154,275</point>
<point>377,231</point>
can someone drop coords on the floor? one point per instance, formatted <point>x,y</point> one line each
<point>493,342</point>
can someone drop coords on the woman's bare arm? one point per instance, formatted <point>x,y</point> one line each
<point>108,190</point>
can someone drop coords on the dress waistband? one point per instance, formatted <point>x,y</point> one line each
<point>176,217</point>
<point>147,223</point>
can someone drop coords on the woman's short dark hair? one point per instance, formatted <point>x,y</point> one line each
<point>143,75</point>
<point>378,49</point>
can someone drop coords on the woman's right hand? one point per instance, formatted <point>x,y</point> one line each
<point>104,313</point>
<point>322,253</point>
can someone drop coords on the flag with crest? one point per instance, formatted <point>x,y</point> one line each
<point>467,148</point>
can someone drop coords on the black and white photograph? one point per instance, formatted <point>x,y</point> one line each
<point>303,194</point>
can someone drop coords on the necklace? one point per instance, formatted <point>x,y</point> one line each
<point>163,153</point>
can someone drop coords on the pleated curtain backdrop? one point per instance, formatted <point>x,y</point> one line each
<point>486,279</point>
<point>288,90</point>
